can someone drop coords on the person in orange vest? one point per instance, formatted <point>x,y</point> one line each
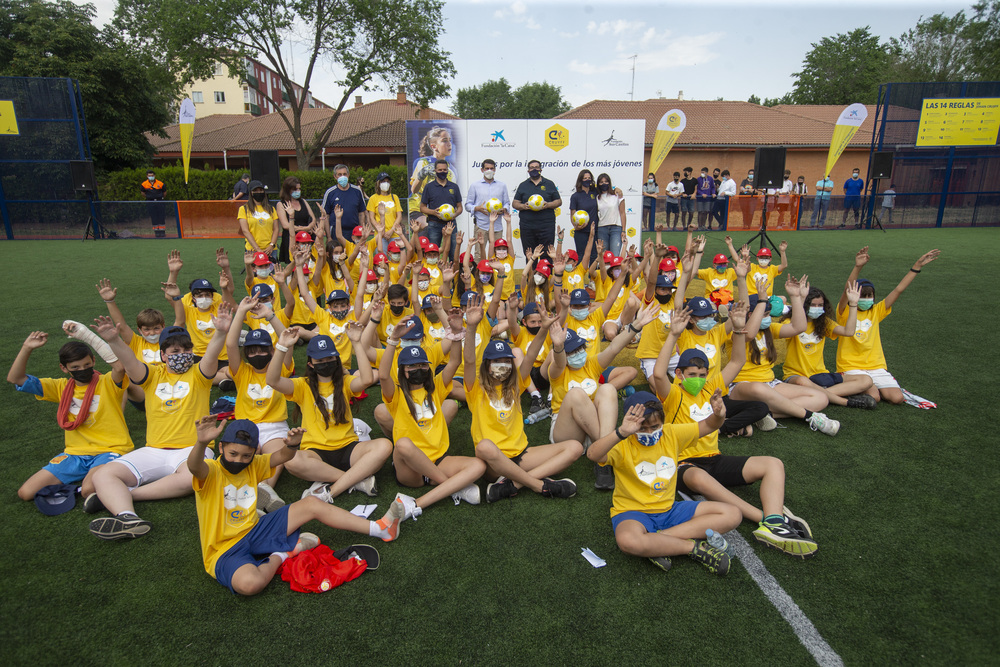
<point>154,190</point>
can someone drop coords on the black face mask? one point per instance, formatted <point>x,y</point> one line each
<point>534,173</point>
<point>532,330</point>
<point>587,182</point>
<point>259,361</point>
<point>442,175</point>
<point>326,369</point>
<point>340,314</point>
<point>604,187</point>
<point>233,467</point>
<point>396,310</point>
<point>84,375</point>
<point>259,196</point>
<point>420,376</point>
<point>663,298</point>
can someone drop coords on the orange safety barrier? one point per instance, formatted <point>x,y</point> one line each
<point>746,211</point>
<point>213,219</point>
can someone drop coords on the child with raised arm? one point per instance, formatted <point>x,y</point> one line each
<point>643,454</point>
<point>240,551</point>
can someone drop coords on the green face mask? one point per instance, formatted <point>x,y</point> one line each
<point>693,385</point>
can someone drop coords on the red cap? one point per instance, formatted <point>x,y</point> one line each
<point>616,261</point>
<point>544,269</point>
<point>721,259</point>
<point>673,249</point>
<point>423,272</point>
<point>500,243</point>
<point>394,247</point>
<point>571,254</point>
<point>261,259</point>
<point>303,237</point>
<point>764,252</point>
<point>608,256</point>
<point>484,266</point>
<point>372,276</point>
<point>430,247</point>
<point>358,231</point>
<point>667,264</point>
<point>380,258</point>
<point>461,258</point>
<point>424,242</point>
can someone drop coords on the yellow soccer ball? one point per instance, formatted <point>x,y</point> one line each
<point>536,202</point>
<point>494,205</point>
<point>580,219</point>
<point>446,212</point>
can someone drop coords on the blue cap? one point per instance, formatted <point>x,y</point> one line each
<point>426,304</point>
<point>663,281</point>
<point>464,300</point>
<point>700,306</point>
<point>337,294</point>
<point>409,356</point>
<point>321,347</point>
<point>201,283</point>
<point>864,282</point>
<point>417,332</point>
<point>754,300</point>
<point>170,332</point>
<point>689,355</point>
<point>640,398</point>
<point>530,308</point>
<point>261,291</point>
<point>250,438</point>
<point>257,337</point>
<point>573,341</point>
<point>579,297</point>
<point>56,499</point>
<point>498,349</point>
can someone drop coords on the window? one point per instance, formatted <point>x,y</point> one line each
<point>220,97</point>
<point>197,97</point>
<point>220,69</point>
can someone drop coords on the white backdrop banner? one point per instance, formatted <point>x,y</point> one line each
<point>564,147</point>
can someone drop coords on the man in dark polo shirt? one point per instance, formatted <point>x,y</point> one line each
<point>688,198</point>
<point>438,192</point>
<point>537,227</point>
<point>351,200</point>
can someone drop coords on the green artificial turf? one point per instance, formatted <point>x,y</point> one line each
<point>902,503</point>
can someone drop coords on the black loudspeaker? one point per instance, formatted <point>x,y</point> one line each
<point>82,173</point>
<point>882,165</point>
<point>769,167</point>
<point>264,168</point>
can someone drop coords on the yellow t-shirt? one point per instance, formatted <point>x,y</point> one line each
<point>483,332</point>
<point>173,404</point>
<point>588,328</point>
<point>764,371</point>
<point>805,351</point>
<point>523,340</point>
<point>432,330</point>
<point>428,430</point>
<point>199,324</point>
<point>227,506</point>
<point>355,268</point>
<point>329,282</point>
<point>683,408</point>
<point>715,280</point>
<point>757,272</point>
<point>654,334</point>
<point>255,399</point>
<point>711,343</point>
<point>336,329</point>
<point>254,322</point>
<point>575,279</point>
<point>863,351</point>
<point>144,351</point>
<point>261,224</point>
<point>104,428</point>
<point>646,477</point>
<point>319,434</point>
<point>300,311</point>
<point>586,378</point>
<point>389,321</point>
<point>508,282</point>
<point>493,420</point>
<point>392,206</point>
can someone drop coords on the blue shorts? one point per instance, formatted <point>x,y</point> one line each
<point>827,379</point>
<point>268,536</point>
<point>71,468</point>
<point>682,510</point>
<point>687,205</point>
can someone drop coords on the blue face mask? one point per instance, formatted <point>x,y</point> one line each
<point>706,323</point>
<point>816,312</point>
<point>865,304</point>
<point>296,194</point>
<point>577,359</point>
<point>580,313</point>
<point>649,439</point>
<point>721,268</point>
<point>765,323</point>
<point>342,181</point>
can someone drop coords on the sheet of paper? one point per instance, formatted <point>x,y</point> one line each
<point>593,558</point>
<point>363,511</point>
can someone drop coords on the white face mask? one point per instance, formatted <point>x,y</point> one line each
<point>379,270</point>
<point>489,174</point>
<point>763,261</point>
<point>339,257</point>
<point>539,279</point>
<point>394,256</point>
<point>370,288</point>
<point>432,260</point>
<point>152,338</point>
<point>384,187</point>
<point>501,253</point>
<point>423,285</point>
<point>204,302</point>
<point>264,272</point>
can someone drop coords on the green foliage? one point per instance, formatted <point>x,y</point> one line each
<point>937,49</point>
<point>983,34</point>
<point>753,99</point>
<point>495,99</point>
<point>843,69</point>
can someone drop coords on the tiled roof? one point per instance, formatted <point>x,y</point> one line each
<point>381,122</point>
<point>723,123</point>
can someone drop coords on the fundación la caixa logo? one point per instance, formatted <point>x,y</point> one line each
<point>557,137</point>
<point>497,140</point>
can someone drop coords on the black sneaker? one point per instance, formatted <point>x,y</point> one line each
<point>500,489</point>
<point>862,401</point>
<point>92,504</point>
<point>605,478</point>
<point>716,561</point>
<point>537,405</point>
<point>662,562</point>
<point>797,523</point>
<point>558,488</point>
<point>227,385</point>
<point>119,527</point>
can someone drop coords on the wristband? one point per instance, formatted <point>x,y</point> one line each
<point>740,333</point>
<point>112,300</point>
<point>376,321</point>
<point>619,434</point>
<point>915,270</point>
<point>559,351</point>
<point>280,348</point>
<point>558,275</point>
<point>391,343</point>
<point>633,329</point>
<point>176,298</point>
<point>501,275</point>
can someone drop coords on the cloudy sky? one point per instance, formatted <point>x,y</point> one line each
<point>705,49</point>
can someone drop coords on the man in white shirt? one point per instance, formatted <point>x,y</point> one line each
<point>784,201</point>
<point>673,191</point>
<point>727,189</point>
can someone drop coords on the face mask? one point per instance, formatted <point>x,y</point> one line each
<point>603,187</point>
<point>534,173</point>
<point>263,273</point>
<point>152,338</point>
<point>339,257</point>
<point>579,313</point>
<point>259,196</point>
<point>296,194</point>
<point>816,312</point>
<point>488,174</point>
<point>539,279</point>
<point>570,266</point>
<point>233,467</point>
<point>83,375</point>
<point>485,277</point>
<point>501,254</point>
<point>442,175</point>
<point>615,273</point>
<point>532,330</point>
<point>181,362</point>
<point>380,270</point>
<point>259,361</point>
<point>326,369</point>
<point>721,268</point>
<point>763,261</point>
<point>865,304</point>
<point>854,175</point>
<point>749,177</point>
<point>577,359</point>
<point>663,298</point>
<point>384,187</point>
<point>587,182</point>
<point>342,181</point>
<point>419,377</point>
<point>432,260</point>
<point>500,370</point>
<point>650,181</point>
<point>370,288</point>
<point>203,302</point>
<point>706,323</point>
<point>649,439</point>
<point>394,256</point>
<point>423,285</point>
<point>410,343</point>
<point>704,174</point>
<point>152,179</point>
<point>693,385</point>
<point>765,323</point>
<point>340,313</point>
<point>396,310</point>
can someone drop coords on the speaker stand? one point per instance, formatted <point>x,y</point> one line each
<point>93,228</point>
<point>762,234</point>
<point>874,197</point>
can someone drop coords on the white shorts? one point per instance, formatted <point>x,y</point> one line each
<point>771,383</point>
<point>648,364</point>
<point>269,431</point>
<point>881,378</point>
<point>148,464</point>
<point>552,433</point>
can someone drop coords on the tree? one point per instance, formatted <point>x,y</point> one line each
<point>124,96</point>
<point>983,34</point>
<point>754,99</point>
<point>937,49</point>
<point>494,99</point>
<point>843,69</point>
<point>363,43</point>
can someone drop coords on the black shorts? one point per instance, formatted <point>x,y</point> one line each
<point>516,460</point>
<point>338,458</point>
<point>726,470</point>
<point>426,480</point>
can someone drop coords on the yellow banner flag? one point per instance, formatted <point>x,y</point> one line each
<point>667,131</point>
<point>186,126</point>
<point>847,126</point>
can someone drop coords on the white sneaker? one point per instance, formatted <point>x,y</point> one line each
<point>469,494</point>
<point>766,423</point>
<point>267,499</point>
<point>823,424</point>
<point>365,486</point>
<point>319,489</point>
<point>410,509</point>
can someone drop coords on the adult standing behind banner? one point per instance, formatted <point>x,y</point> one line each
<point>241,191</point>
<point>649,192</point>
<point>436,194</point>
<point>537,227</point>
<point>610,215</point>
<point>482,192</point>
<point>853,187</point>
<point>584,198</point>
<point>727,189</point>
<point>155,190</point>
<point>821,204</point>
<point>350,199</point>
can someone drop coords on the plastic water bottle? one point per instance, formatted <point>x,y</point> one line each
<point>535,417</point>
<point>715,540</point>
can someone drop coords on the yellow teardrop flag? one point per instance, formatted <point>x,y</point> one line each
<point>186,126</point>
<point>667,131</point>
<point>847,125</point>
